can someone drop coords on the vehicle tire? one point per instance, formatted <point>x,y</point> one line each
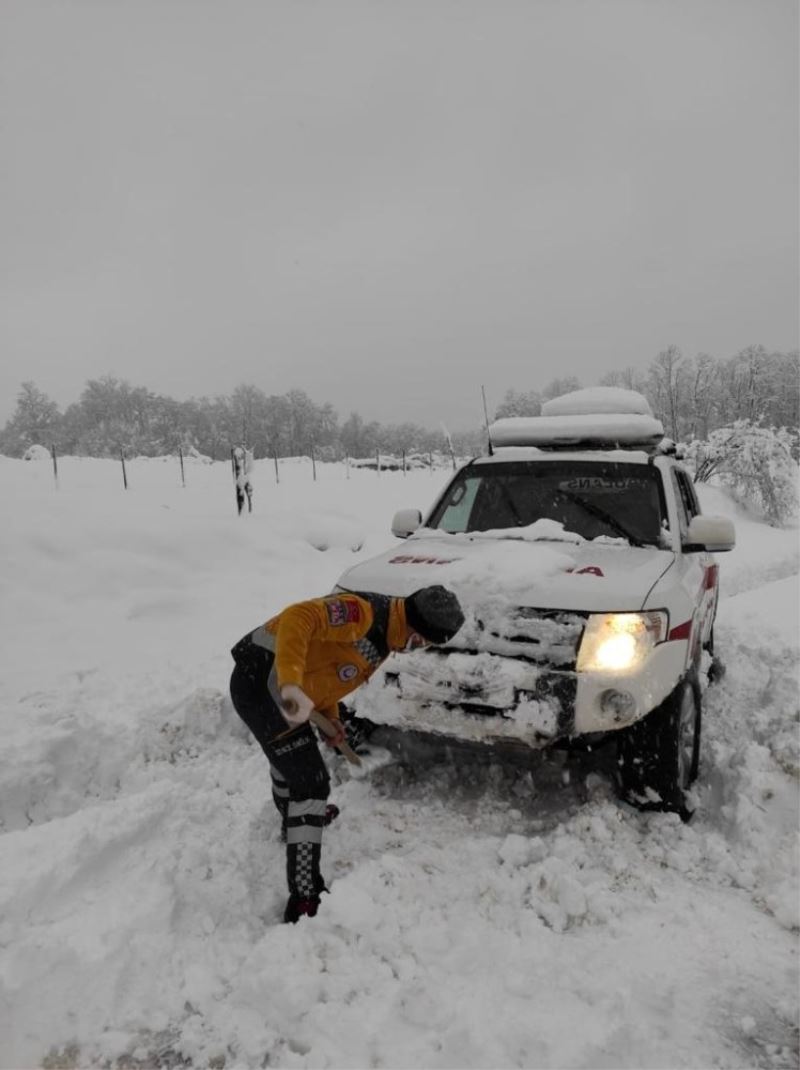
<point>716,670</point>
<point>658,757</point>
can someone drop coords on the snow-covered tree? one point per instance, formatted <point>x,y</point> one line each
<point>755,463</point>
<point>36,420</point>
<point>519,403</point>
<point>359,439</point>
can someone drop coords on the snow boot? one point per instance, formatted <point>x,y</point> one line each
<point>297,906</point>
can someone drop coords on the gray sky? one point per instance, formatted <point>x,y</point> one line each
<point>387,204</point>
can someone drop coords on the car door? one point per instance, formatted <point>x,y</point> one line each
<point>700,570</point>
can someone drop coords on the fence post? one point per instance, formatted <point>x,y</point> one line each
<point>430,463</point>
<point>183,474</point>
<point>313,464</point>
<point>124,473</point>
<point>55,464</point>
<point>237,460</point>
<point>404,462</point>
<point>378,461</point>
<point>249,459</point>
<point>275,458</point>
<point>347,465</point>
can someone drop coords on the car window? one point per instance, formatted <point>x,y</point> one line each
<point>460,503</point>
<point>589,498</point>
<point>680,502</point>
<point>688,494</point>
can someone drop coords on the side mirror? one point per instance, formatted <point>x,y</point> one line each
<point>405,522</point>
<point>713,533</point>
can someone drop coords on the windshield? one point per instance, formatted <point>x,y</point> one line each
<point>590,498</point>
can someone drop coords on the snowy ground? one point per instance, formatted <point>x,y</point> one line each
<point>478,916</point>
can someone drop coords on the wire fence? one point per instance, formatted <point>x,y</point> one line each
<point>187,469</point>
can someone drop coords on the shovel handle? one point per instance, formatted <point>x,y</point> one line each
<point>327,729</point>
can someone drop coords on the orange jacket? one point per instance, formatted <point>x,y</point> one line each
<point>320,646</point>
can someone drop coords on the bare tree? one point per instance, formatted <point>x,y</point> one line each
<point>667,387</point>
<point>556,387</point>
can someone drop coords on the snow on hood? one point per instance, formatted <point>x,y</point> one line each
<point>541,565</point>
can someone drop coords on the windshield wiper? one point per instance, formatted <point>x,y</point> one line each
<point>601,514</point>
<point>512,507</point>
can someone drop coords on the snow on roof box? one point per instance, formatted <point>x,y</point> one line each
<point>598,399</point>
<point>598,417</point>
<point>598,430</point>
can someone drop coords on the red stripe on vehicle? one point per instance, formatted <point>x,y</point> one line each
<point>710,578</point>
<point>680,631</point>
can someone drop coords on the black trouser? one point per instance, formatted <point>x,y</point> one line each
<point>300,780</point>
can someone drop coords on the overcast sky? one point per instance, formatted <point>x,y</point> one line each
<point>387,204</point>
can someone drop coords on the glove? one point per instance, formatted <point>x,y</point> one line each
<point>296,706</point>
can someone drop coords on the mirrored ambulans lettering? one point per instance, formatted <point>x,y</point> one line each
<point>411,559</point>
<point>599,483</point>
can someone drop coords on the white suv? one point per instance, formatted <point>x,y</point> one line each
<point>584,567</point>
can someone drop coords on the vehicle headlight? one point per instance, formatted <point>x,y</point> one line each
<point>619,642</point>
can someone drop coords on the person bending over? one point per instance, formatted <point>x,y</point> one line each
<point>309,657</point>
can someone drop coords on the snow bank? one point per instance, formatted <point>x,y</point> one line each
<point>37,453</point>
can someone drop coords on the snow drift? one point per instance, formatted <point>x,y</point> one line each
<point>478,915</point>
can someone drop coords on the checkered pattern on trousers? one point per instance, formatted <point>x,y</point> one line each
<point>304,876</point>
<point>305,819</point>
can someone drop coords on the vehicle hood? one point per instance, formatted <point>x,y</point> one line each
<point>530,569</point>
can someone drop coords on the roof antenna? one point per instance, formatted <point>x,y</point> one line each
<point>486,418</point>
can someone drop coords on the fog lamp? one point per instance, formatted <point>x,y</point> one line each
<point>618,706</point>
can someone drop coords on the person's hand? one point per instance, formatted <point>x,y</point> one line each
<point>296,706</point>
<point>337,736</point>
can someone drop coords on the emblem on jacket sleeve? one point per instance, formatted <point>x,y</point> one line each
<point>342,612</point>
<point>347,672</point>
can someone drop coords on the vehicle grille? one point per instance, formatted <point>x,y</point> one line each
<point>519,663</point>
<point>547,637</point>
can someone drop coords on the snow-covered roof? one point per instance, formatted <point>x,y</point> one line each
<point>598,399</point>
<point>533,453</point>
<point>599,429</point>
<point>600,417</point>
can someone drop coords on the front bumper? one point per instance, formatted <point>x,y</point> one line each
<point>496,698</point>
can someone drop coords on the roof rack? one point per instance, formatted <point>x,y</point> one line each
<point>583,431</point>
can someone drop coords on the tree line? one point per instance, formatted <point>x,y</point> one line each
<point>111,415</point>
<point>693,396</point>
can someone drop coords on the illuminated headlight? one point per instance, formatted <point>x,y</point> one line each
<point>619,642</point>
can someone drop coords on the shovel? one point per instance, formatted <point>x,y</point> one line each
<point>359,766</point>
<point>327,729</point>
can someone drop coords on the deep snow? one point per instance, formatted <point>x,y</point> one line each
<point>479,915</point>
